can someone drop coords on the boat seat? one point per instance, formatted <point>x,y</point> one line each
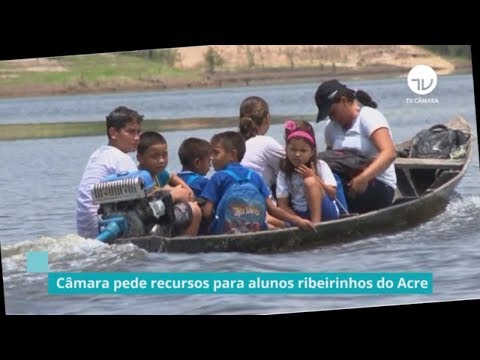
<point>408,168</point>
<point>416,163</point>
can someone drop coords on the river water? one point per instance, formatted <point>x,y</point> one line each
<point>40,177</point>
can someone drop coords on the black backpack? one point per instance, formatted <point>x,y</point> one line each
<point>347,162</point>
<point>438,142</point>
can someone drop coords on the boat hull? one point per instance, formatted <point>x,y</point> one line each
<point>410,210</point>
<point>392,219</point>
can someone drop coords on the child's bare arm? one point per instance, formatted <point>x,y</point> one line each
<point>281,214</point>
<point>207,210</point>
<point>175,180</point>
<point>180,193</point>
<point>282,203</point>
<point>306,172</point>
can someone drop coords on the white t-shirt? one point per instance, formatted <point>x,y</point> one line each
<point>358,137</point>
<point>263,154</point>
<point>295,188</point>
<point>106,160</point>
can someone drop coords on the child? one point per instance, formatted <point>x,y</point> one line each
<point>194,156</point>
<point>152,155</point>
<point>228,149</point>
<point>123,131</point>
<point>309,182</point>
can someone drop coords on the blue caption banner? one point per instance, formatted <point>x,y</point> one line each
<point>239,283</point>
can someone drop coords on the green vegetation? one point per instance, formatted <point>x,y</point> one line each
<point>101,68</point>
<point>461,51</point>
<point>157,69</point>
<point>95,128</point>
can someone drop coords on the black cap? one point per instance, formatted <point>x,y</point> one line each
<point>324,97</point>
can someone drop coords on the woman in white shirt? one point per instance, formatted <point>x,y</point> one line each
<point>263,153</point>
<point>356,123</point>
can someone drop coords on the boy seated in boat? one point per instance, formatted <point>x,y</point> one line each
<point>194,155</point>
<point>152,155</point>
<point>248,208</point>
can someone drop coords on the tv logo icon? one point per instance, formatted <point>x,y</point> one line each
<point>422,79</point>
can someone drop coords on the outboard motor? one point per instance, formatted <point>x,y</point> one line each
<point>132,206</point>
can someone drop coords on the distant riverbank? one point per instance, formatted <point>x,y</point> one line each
<point>218,66</point>
<point>96,128</point>
<point>220,79</point>
<point>217,80</point>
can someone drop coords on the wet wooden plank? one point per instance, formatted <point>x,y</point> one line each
<point>415,163</point>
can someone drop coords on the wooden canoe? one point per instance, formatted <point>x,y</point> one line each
<point>424,189</point>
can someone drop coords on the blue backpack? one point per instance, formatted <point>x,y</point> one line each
<point>242,208</point>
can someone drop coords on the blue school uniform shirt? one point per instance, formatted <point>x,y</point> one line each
<point>220,182</point>
<point>197,182</point>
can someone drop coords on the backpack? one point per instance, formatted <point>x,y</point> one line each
<point>347,162</point>
<point>241,209</point>
<point>438,142</point>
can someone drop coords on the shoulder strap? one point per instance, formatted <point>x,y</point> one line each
<point>190,176</point>
<point>438,127</point>
<point>236,177</point>
<point>232,174</point>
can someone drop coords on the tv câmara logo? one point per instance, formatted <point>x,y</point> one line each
<point>422,79</point>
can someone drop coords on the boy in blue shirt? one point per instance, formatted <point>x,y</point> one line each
<point>152,155</point>
<point>194,155</point>
<point>228,149</point>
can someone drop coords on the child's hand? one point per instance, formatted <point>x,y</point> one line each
<point>305,171</point>
<point>192,194</point>
<point>179,193</point>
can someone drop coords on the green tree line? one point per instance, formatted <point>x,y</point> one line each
<point>463,51</point>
